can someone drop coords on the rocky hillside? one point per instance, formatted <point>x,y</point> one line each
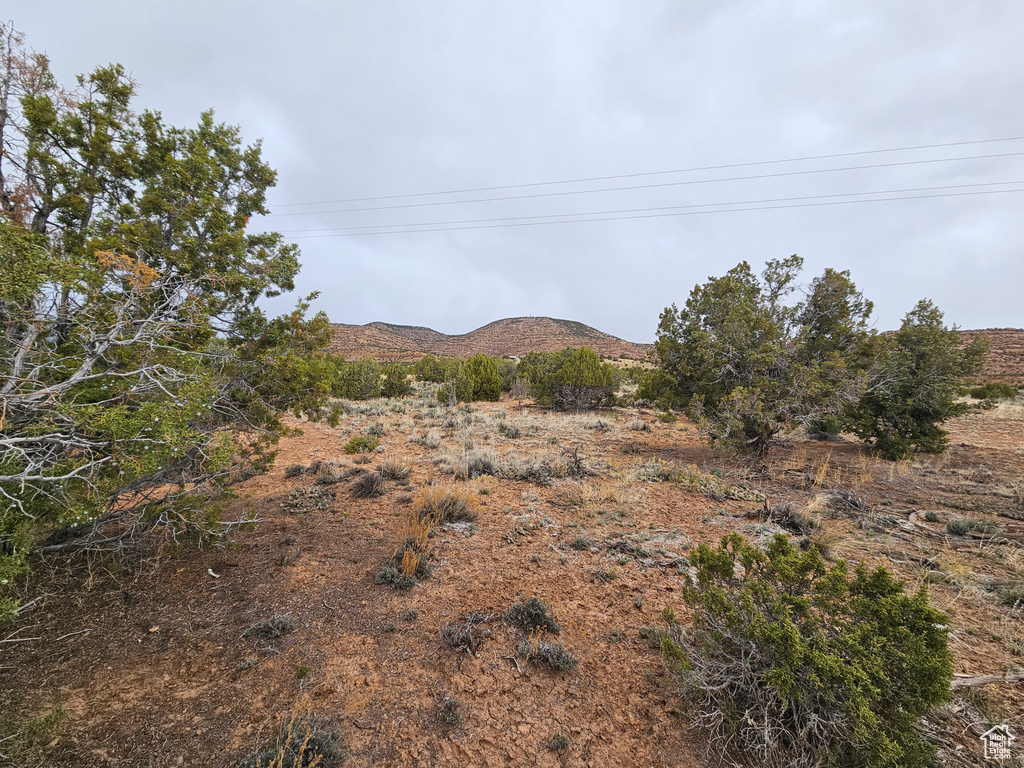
<point>518,335</point>
<point>1006,353</point>
<point>513,336</point>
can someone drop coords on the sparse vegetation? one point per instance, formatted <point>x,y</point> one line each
<point>531,615</point>
<point>438,505</point>
<point>967,525</point>
<point>309,498</point>
<point>993,391</point>
<point>304,741</point>
<point>275,626</point>
<point>361,444</point>
<point>368,485</point>
<point>450,711</point>
<point>24,741</point>
<point>393,470</point>
<point>547,653</point>
<point>558,743</point>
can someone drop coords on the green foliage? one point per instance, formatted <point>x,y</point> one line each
<point>507,372</point>
<point>748,365</point>
<point>966,525</point>
<point>803,664</point>
<point>573,379</point>
<point>134,358</point>
<point>914,385</point>
<point>396,381</point>
<point>359,380</point>
<point>361,444</point>
<point>393,577</point>
<point>993,391</point>
<point>24,740</point>
<point>428,368</point>
<point>658,387</point>
<point>483,371</point>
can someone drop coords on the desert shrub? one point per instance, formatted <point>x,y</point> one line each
<point>511,431</point>
<point>396,381</point>
<point>361,444</point>
<point>574,379</point>
<point>825,427</point>
<point>914,384</point>
<point>1012,595</point>
<point>428,368</point>
<point>302,742</point>
<point>507,372</point>
<point>479,464</point>
<point>450,711</point>
<point>275,626</point>
<point>558,743</point>
<point>446,505</point>
<point>531,615</point>
<point>25,740</point>
<point>360,380</point>
<point>393,577</point>
<point>580,543</point>
<point>749,366</point>
<point>657,387</point>
<point>309,498</point>
<point>798,664</point>
<point>327,472</point>
<point>483,371</point>
<point>548,653</point>
<point>465,634</point>
<point>392,470</point>
<point>374,430</point>
<point>295,470</point>
<point>966,525</point>
<point>790,516</point>
<point>993,391</point>
<point>368,485</point>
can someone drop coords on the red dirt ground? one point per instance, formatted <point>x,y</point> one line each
<point>144,656</point>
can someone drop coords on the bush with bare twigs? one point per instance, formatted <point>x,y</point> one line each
<point>793,663</point>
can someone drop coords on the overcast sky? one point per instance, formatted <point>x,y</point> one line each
<point>376,98</point>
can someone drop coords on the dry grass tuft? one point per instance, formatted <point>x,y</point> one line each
<point>436,505</point>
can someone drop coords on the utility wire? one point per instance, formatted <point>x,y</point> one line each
<point>295,232</point>
<point>655,173</point>
<point>663,215</point>
<point>653,186</point>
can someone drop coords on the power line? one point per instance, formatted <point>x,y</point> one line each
<point>654,186</point>
<point>656,173</point>
<point>662,215</point>
<point>296,232</point>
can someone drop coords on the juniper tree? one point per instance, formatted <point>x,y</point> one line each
<point>749,365</point>
<point>914,385</point>
<point>138,376</point>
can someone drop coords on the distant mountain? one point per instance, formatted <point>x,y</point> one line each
<point>513,336</point>
<point>516,336</point>
<point>1005,360</point>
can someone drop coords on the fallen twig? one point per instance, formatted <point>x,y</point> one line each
<point>971,682</point>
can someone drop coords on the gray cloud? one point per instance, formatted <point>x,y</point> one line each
<point>365,99</point>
